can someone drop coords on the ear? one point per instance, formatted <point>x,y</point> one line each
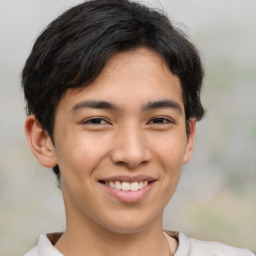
<point>40,142</point>
<point>190,141</point>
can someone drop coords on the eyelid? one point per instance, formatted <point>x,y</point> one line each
<point>88,120</point>
<point>164,118</point>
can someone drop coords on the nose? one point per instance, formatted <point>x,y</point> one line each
<point>130,148</point>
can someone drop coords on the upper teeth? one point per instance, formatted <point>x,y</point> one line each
<point>126,186</point>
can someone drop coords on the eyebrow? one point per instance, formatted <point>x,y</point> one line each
<point>95,104</point>
<point>165,103</point>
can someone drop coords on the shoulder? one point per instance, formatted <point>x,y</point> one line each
<point>193,247</point>
<point>32,252</point>
<point>199,247</point>
<point>45,246</point>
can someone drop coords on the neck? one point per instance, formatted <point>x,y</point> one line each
<point>98,241</point>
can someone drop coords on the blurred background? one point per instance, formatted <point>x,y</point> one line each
<point>216,198</point>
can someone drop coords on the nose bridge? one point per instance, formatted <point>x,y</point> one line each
<point>131,148</point>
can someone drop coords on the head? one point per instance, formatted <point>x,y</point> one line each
<point>74,49</point>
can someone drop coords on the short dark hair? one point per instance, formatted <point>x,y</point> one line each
<point>72,51</point>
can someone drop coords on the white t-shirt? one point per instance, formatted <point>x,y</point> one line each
<point>187,247</point>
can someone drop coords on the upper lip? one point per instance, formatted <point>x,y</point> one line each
<point>129,179</point>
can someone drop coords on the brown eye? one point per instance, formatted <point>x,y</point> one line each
<point>160,120</point>
<point>95,121</point>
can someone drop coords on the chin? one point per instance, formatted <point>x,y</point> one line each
<point>131,225</point>
<point>126,229</point>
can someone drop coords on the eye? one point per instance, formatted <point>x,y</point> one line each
<point>160,120</point>
<point>95,121</point>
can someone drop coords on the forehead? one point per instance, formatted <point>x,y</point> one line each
<point>134,77</point>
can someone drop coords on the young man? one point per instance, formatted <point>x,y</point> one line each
<point>113,95</point>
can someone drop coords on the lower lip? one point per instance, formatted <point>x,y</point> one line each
<point>129,196</point>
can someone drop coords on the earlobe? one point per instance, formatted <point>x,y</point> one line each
<point>190,141</point>
<point>40,142</point>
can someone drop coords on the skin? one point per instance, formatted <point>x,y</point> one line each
<point>130,138</point>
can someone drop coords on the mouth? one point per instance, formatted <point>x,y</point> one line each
<point>126,186</point>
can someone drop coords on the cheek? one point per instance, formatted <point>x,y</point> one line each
<point>170,151</point>
<point>78,160</point>
<point>79,154</point>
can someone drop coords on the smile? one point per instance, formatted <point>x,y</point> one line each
<point>128,189</point>
<point>127,186</point>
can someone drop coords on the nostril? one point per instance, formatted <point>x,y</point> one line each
<point>130,155</point>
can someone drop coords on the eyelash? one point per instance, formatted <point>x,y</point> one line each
<point>163,120</point>
<point>97,119</point>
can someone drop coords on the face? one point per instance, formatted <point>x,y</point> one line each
<point>120,143</point>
